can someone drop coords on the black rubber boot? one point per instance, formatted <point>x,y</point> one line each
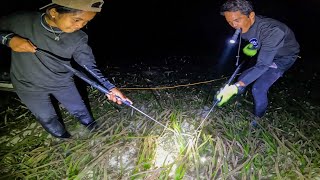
<point>255,123</point>
<point>65,135</point>
<point>54,127</point>
<point>93,126</point>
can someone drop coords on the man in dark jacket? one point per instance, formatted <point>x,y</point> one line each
<point>275,45</point>
<point>36,76</point>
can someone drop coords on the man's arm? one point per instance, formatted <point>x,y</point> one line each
<point>271,41</point>
<point>84,56</point>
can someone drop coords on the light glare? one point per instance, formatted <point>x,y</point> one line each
<point>203,159</point>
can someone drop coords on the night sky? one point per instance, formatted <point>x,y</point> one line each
<point>146,28</point>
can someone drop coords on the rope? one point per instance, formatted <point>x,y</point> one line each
<point>176,86</point>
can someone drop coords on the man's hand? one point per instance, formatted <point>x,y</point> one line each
<point>249,50</point>
<point>115,95</point>
<point>226,93</point>
<point>19,44</point>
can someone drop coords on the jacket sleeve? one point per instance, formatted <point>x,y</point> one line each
<point>83,55</point>
<point>271,41</point>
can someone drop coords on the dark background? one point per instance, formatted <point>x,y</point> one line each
<point>127,32</point>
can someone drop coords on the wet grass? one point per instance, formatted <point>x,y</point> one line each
<point>130,146</point>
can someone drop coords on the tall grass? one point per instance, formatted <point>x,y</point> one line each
<point>128,145</point>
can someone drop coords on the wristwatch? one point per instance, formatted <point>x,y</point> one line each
<point>8,38</point>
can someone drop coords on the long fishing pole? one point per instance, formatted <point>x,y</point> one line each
<point>216,101</point>
<point>97,86</point>
<point>106,91</point>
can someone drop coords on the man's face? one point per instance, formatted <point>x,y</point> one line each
<point>238,20</point>
<point>71,22</point>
